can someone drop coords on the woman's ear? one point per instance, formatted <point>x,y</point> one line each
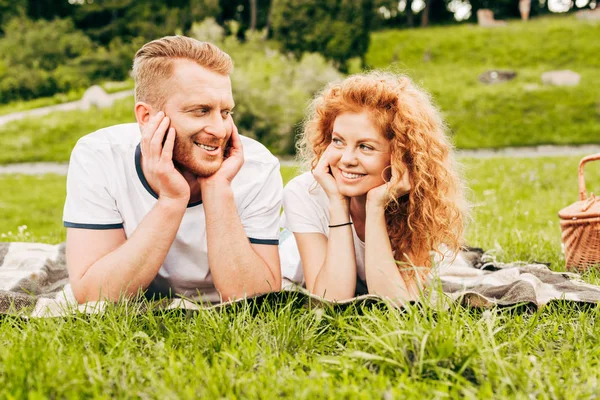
<point>388,172</point>
<point>143,111</point>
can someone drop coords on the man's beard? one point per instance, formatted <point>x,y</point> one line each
<point>184,159</point>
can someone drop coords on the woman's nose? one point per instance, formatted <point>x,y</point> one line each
<point>348,156</point>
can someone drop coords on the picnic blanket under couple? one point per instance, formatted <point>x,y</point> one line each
<point>34,283</point>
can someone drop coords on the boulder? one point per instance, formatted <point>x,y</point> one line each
<point>561,78</point>
<point>496,76</point>
<point>95,96</point>
<point>485,17</point>
<point>590,15</point>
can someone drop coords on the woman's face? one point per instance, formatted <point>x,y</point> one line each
<point>358,154</point>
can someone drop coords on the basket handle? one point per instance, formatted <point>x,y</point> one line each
<point>584,160</point>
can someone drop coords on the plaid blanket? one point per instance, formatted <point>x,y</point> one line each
<point>34,283</point>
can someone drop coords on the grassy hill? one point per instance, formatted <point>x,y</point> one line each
<point>444,60</point>
<point>447,61</point>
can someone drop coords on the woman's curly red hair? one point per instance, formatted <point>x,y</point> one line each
<point>433,215</point>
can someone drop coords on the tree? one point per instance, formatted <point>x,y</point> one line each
<point>338,29</point>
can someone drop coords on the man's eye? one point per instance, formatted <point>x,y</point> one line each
<point>226,113</point>
<point>201,111</point>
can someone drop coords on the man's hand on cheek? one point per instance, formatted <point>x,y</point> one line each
<point>234,159</point>
<point>157,143</point>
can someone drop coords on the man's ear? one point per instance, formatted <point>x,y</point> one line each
<point>143,112</point>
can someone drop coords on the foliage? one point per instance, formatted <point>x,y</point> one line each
<point>338,29</point>
<point>271,90</point>
<point>42,58</point>
<point>106,20</point>
<point>34,55</point>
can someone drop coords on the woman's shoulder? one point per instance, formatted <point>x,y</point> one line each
<point>304,182</point>
<point>304,187</point>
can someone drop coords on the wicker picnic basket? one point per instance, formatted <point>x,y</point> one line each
<point>580,225</point>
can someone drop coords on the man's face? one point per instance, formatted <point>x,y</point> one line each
<point>199,105</point>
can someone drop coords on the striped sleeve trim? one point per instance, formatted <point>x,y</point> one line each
<point>92,226</point>
<point>264,241</point>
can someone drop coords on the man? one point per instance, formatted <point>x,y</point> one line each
<point>187,207</point>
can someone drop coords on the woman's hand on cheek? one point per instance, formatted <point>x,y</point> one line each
<point>378,196</point>
<point>323,175</point>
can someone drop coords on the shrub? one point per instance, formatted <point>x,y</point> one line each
<point>271,90</point>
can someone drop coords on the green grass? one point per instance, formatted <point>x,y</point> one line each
<point>74,95</point>
<point>285,350</point>
<point>447,61</point>
<point>24,105</point>
<point>52,137</point>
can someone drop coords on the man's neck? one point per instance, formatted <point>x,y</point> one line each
<point>192,180</point>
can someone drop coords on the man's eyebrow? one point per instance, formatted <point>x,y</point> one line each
<point>196,106</point>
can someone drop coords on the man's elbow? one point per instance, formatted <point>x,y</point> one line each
<point>84,294</point>
<point>236,293</point>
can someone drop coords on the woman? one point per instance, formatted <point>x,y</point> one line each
<point>383,194</point>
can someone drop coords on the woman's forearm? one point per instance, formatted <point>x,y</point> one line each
<point>383,277</point>
<point>336,279</point>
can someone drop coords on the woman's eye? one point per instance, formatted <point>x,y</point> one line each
<point>365,147</point>
<point>336,141</point>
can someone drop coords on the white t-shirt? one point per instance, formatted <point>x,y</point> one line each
<point>106,189</point>
<point>306,210</point>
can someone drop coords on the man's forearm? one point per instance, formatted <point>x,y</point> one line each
<point>236,269</point>
<point>132,266</point>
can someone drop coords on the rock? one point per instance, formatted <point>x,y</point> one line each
<point>485,18</point>
<point>496,76</point>
<point>590,15</point>
<point>561,78</point>
<point>95,96</point>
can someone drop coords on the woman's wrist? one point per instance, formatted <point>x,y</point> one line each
<point>339,204</point>
<point>375,208</point>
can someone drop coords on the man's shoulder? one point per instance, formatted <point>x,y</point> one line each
<point>256,152</point>
<point>117,135</point>
<point>257,156</point>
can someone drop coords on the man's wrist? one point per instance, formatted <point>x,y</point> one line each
<point>216,190</point>
<point>173,204</point>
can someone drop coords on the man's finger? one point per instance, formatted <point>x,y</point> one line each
<point>156,144</point>
<point>148,131</point>
<point>236,142</point>
<point>167,151</point>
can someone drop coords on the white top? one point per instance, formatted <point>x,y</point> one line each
<point>106,189</point>
<point>306,210</point>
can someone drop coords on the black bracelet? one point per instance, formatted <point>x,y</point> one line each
<point>344,224</point>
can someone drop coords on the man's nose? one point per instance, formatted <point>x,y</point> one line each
<point>217,126</point>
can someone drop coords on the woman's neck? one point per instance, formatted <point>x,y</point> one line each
<point>358,212</point>
<point>358,208</point>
